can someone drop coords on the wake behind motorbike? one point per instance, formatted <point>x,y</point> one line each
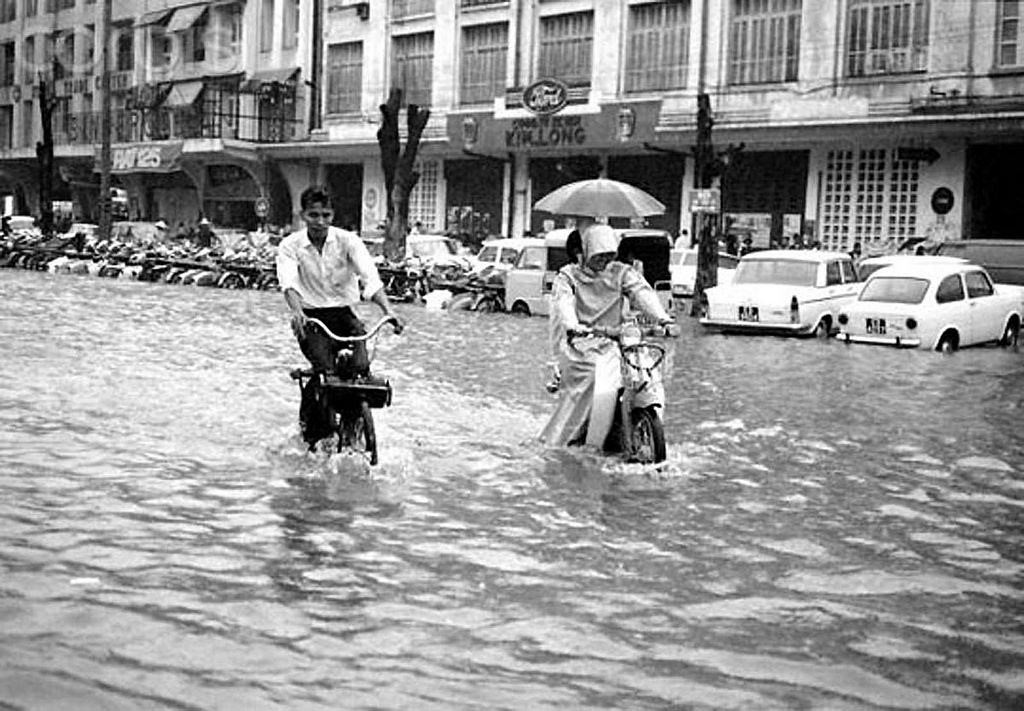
<point>637,432</point>
<point>342,404</point>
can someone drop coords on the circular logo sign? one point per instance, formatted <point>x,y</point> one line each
<point>261,207</point>
<point>545,96</point>
<point>942,201</point>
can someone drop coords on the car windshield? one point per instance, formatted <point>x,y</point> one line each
<point>690,259</point>
<point>487,254</point>
<point>790,272</point>
<point>895,290</point>
<point>433,248</point>
<point>866,270</point>
<point>509,256</point>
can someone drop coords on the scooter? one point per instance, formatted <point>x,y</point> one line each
<point>341,405</point>
<point>637,432</point>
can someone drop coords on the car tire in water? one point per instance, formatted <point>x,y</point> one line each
<point>1011,336</point>
<point>520,309</point>
<point>949,342</point>
<point>486,304</point>
<point>648,437</point>
<point>823,329</point>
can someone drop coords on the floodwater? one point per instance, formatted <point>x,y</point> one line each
<point>838,527</point>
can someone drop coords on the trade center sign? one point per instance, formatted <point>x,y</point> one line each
<point>545,131</point>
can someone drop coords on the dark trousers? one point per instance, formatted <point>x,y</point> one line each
<point>322,351</point>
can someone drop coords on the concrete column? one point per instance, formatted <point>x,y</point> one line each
<point>522,199</point>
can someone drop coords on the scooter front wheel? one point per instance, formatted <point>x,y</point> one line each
<point>648,437</point>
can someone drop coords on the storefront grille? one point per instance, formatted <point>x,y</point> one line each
<point>868,196</point>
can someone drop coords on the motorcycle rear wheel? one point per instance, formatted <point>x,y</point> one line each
<point>648,437</point>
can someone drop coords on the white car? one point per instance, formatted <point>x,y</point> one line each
<point>433,250</point>
<point>683,270</point>
<point>790,292</point>
<point>934,305</point>
<point>869,265</point>
<point>501,254</point>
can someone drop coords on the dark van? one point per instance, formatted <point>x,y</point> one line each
<point>1003,259</point>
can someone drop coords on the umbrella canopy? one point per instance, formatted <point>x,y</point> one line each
<point>600,197</point>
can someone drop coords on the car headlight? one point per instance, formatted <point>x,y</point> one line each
<point>911,323</point>
<point>843,319</point>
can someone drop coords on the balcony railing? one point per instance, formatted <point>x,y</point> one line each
<point>177,123</point>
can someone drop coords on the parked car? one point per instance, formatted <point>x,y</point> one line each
<point>793,292</point>
<point>941,305</point>
<point>869,265</point>
<point>501,254</point>
<point>683,268</point>
<point>528,283</point>
<point>1003,259</point>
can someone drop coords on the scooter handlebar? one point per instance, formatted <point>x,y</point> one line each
<point>396,325</point>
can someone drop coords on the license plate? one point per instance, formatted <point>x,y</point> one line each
<point>748,313</point>
<point>875,325</point>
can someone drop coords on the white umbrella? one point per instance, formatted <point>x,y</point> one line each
<point>600,197</point>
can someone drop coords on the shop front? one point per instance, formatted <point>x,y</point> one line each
<point>513,158</point>
<point>183,181</point>
<point>763,197</point>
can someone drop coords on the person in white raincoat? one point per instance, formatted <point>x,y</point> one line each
<point>591,296</point>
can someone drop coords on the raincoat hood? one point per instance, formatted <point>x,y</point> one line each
<point>599,239</point>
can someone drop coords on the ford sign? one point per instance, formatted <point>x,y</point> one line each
<point>545,96</point>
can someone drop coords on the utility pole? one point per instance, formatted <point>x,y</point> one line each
<point>104,221</point>
<point>705,164</point>
<point>44,148</point>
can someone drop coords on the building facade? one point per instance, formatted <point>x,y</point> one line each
<point>843,121</point>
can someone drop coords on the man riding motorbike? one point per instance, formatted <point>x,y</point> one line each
<point>590,298</point>
<point>320,270</point>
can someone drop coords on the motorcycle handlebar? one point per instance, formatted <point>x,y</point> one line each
<point>356,339</point>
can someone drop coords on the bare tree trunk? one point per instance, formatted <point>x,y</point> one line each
<point>399,176</point>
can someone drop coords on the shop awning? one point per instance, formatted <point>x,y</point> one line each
<point>184,93</point>
<point>185,17</point>
<point>267,76</point>
<point>153,17</point>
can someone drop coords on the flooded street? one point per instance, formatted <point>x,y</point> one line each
<point>837,527</point>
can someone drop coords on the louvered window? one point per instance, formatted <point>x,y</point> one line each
<point>344,77</point>
<point>566,47</point>
<point>410,8</point>
<point>1009,29</point>
<point>484,51</point>
<point>764,41</point>
<point>413,66</point>
<point>887,37</point>
<point>657,48</point>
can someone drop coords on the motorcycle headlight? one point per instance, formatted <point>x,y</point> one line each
<point>630,335</point>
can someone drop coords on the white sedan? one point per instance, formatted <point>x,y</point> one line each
<point>682,267</point>
<point>935,305</point>
<point>795,291</point>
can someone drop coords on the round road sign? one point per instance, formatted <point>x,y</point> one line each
<point>261,207</point>
<point>942,201</point>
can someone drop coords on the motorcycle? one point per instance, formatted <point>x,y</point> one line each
<point>637,432</point>
<point>342,405</point>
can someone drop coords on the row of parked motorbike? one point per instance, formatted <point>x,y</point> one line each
<point>206,270</point>
<point>461,289</point>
